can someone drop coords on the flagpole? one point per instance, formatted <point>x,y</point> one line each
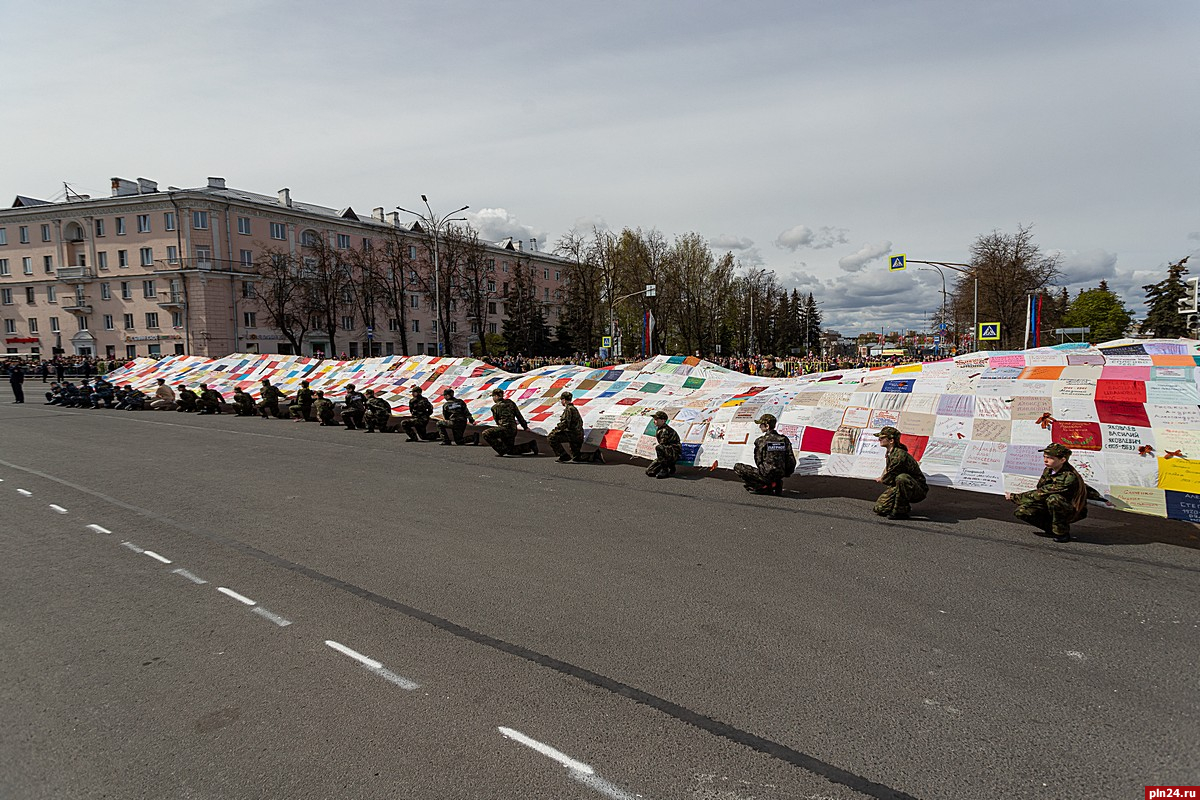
<point>1028,320</point>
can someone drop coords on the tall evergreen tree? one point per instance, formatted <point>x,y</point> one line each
<point>525,328</point>
<point>1164,299</point>
<point>812,325</point>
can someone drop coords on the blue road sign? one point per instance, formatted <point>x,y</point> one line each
<point>897,262</point>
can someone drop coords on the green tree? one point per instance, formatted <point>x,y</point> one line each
<point>1101,310</point>
<point>525,328</point>
<point>812,325</point>
<point>1164,299</point>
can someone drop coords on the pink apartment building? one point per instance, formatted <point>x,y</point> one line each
<point>146,272</point>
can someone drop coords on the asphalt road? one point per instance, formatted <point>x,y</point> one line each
<point>434,622</point>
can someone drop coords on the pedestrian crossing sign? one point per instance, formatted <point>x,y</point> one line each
<point>989,331</point>
<point>897,262</point>
<point>606,341</point>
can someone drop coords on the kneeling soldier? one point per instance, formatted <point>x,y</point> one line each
<point>378,412</point>
<point>420,410</point>
<point>210,400</point>
<point>502,437</point>
<point>301,410</point>
<point>324,409</point>
<point>268,400</point>
<point>902,474</point>
<point>243,403</point>
<point>667,451</point>
<point>1059,499</point>
<point>187,400</point>
<point>569,430</point>
<point>773,460</point>
<point>456,417</point>
<point>353,408</point>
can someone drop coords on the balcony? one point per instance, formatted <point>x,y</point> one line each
<point>202,265</point>
<point>173,300</point>
<point>77,305</point>
<point>75,274</point>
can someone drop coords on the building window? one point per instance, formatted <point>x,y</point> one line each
<point>6,297</point>
<point>45,233</point>
<point>250,319</point>
<point>147,254</point>
<point>172,254</point>
<point>491,265</point>
<point>204,257</point>
<point>491,327</point>
<point>54,325</point>
<point>393,325</point>
<point>491,307</point>
<point>51,294</point>
<point>367,244</point>
<point>343,241</point>
<point>83,323</point>
<point>547,293</point>
<point>412,251</point>
<point>33,325</point>
<point>416,326</point>
<point>414,301</point>
<point>354,349</point>
<point>4,267</point>
<point>24,234</point>
<point>149,289</point>
<point>27,265</point>
<point>412,277</point>
<point>143,221</point>
<point>3,235</point>
<point>491,286</point>
<point>102,259</point>
<point>151,319</point>
<point>453,326</point>
<point>347,323</point>
<point>169,221</point>
<point>248,289</point>
<point>279,231</point>
<point>244,226</point>
<point>48,263</point>
<point>127,321</point>
<point>474,326</point>
<point>126,291</point>
<point>504,266</point>
<point>122,258</point>
<point>546,274</point>
<point>10,326</point>
<point>105,291</point>
<point>120,226</point>
<point>29,295</point>
<point>247,258</point>
<point>504,290</point>
<point>131,351</point>
<point>153,350</point>
<point>108,323</point>
<point>176,319</point>
<point>200,220</point>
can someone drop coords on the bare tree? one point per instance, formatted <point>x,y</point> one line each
<point>283,296</point>
<point>1009,267</point>
<point>477,275</point>
<point>396,279</point>
<point>328,280</point>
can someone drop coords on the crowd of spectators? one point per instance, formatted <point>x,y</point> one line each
<point>60,367</point>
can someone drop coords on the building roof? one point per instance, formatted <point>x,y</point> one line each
<point>23,202</point>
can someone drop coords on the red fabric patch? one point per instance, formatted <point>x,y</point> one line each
<point>915,444</point>
<point>629,401</point>
<point>816,440</point>
<point>1121,391</point>
<point>611,439</point>
<point>1115,413</point>
<point>1077,435</point>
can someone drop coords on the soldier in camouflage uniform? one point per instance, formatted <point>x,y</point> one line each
<point>135,399</point>
<point>667,451</point>
<point>210,400</point>
<point>324,408</point>
<point>1059,499</point>
<point>187,400</point>
<point>243,403</point>
<point>902,475</point>
<point>455,418</point>
<point>507,417</point>
<point>420,410</point>
<point>268,400</point>
<point>569,430</point>
<point>353,408</point>
<point>773,460</point>
<point>769,370</point>
<point>301,409</point>
<point>378,413</point>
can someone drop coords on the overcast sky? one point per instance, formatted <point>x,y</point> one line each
<point>812,138</point>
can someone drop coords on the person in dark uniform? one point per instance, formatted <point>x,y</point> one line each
<point>243,403</point>
<point>187,400</point>
<point>902,475</point>
<point>773,460</point>
<point>419,410</point>
<point>301,410</point>
<point>354,406</point>
<point>378,412</point>
<point>269,397</point>
<point>16,379</point>
<point>1059,499</point>
<point>502,437</point>
<point>324,408</point>
<point>455,418</point>
<point>210,400</point>
<point>769,370</point>
<point>668,450</point>
<point>569,430</point>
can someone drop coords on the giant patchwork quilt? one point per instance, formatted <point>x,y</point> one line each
<point>1130,410</point>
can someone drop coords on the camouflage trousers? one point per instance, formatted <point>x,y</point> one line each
<point>503,441</point>
<point>664,461</point>
<point>756,480</point>
<point>415,427</point>
<point>1052,515</point>
<point>457,429</point>
<point>271,407</point>
<point>244,409</point>
<point>897,499</point>
<point>377,419</point>
<point>556,439</point>
<point>299,411</point>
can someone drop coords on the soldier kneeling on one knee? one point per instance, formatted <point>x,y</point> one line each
<point>902,475</point>
<point>1059,499</point>
<point>773,460</point>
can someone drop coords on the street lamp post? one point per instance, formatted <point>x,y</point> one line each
<point>436,224</point>
<point>964,269</point>
<point>942,323</point>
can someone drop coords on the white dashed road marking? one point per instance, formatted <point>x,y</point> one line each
<point>239,597</point>
<point>399,680</point>
<point>191,577</point>
<point>132,547</point>
<point>548,751</point>
<point>278,620</point>
<point>374,666</point>
<point>25,492</point>
<point>156,556</point>
<point>58,509</point>
<point>98,529</point>
<point>357,656</point>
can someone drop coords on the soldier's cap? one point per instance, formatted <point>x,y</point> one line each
<point>659,415</point>
<point>415,390</point>
<point>497,392</point>
<point>769,358</point>
<point>888,433</point>
<point>447,392</point>
<point>566,395</point>
<point>766,419</point>
<point>1057,450</point>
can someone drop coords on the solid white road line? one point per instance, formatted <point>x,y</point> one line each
<point>399,680</point>
<point>278,620</point>
<point>596,783</point>
<point>156,556</point>
<point>98,529</point>
<point>240,598</point>
<point>548,751</point>
<point>58,509</point>
<point>132,546</point>
<point>357,656</point>
<point>25,492</point>
<point>189,576</point>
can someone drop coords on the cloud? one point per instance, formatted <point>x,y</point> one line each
<point>1089,266</point>
<point>586,224</point>
<point>1194,236</point>
<point>799,236</point>
<point>495,224</point>
<point>727,242</point>
<point>864,256</point>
